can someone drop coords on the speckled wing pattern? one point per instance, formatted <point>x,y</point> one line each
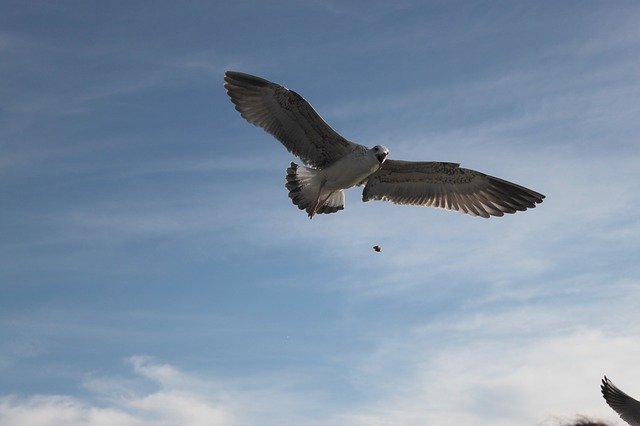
<point>287,116</point>
<point>627,407</point>
<point>448,186</point>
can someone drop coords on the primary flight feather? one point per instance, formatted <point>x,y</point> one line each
<point>627,408</point>
<point>334,163</point>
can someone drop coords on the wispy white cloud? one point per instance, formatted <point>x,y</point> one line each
<point>170,403</point>
<point>518,379</point>
<point>160,394</point>
<point>515,367</point>
<point>55,410</point>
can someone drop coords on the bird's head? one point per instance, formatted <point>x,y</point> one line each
<point>380,152</point>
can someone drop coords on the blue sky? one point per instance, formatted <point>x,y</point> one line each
<point>154,271</point>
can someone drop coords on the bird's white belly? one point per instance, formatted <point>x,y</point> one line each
<point>349,171</point>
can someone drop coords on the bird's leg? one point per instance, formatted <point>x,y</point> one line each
<point>318,203</point>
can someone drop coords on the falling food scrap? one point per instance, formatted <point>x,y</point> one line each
<point>377,248</point>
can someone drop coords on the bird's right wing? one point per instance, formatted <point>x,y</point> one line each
<point>448,186</point>
<point>288,117</point>
<point>627,407</point>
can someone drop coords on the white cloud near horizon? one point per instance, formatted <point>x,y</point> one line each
<point>466,378</point>
<point>120,402</point>
<point>519,381</point>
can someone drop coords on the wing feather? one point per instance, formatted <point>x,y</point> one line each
<point>448,186</point>
<point>626,407</point>
<point>288,117</point>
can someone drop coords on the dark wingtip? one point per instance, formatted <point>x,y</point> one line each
<point>603,385</point>
<point>241,78</point>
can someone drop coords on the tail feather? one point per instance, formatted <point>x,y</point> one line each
<point>306,192</point>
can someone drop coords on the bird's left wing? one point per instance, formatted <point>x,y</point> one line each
<point>287,116</point>
<point>627,407</point>
<point>448,186</point>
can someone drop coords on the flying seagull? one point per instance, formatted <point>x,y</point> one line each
<point>626,407</point>
<point>333,163</point>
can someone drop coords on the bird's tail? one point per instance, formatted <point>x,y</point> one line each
<point>305,187</point>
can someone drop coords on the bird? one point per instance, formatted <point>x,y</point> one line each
<point>377,248</point>
<point>626,407</point>
<point>333,163</point>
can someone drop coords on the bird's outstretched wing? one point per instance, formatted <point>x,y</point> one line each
<point>288,117</point>
<point>448,186</point>
<point>627,407</point>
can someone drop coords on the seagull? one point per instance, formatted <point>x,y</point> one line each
<point>333,164</point>
<point>626,407</point>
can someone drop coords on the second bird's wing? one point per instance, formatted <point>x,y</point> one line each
<point>627,407</point>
